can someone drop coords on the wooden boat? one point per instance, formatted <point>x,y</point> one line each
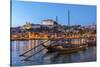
<point>91,43</point>
<point>61,49</point>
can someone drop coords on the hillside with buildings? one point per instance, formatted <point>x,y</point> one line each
<point>50,28</point>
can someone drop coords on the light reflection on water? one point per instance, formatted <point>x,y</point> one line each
<point>19,47</point>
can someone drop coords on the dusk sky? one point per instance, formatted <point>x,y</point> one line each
<point>35,12</point>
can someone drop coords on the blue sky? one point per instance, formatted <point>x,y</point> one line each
<point>35,12</point>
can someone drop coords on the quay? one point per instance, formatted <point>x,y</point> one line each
<point>42,36</point>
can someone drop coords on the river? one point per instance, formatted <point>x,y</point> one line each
<point>19,47</point>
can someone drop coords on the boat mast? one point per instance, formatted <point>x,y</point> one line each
<point>56,18</point>
<point>69,33</point>
<point>68,18</point>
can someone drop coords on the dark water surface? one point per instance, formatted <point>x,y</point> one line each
<point>19,47</point>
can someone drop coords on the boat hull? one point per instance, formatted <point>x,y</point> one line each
<point>60,49</point>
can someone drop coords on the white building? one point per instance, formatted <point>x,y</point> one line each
<point>49,22</point>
